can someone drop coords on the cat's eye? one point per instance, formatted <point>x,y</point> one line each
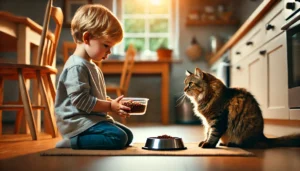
<point>190,84</point>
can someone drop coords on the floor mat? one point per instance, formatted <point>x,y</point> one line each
<point>136,150</point>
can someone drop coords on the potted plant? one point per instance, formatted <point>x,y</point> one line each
<point>164,53</point>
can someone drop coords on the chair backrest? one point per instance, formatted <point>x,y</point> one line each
<point>49,42</point>
<point>68,49</point>
<point>127,68</point>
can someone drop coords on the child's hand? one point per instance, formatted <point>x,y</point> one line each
<point>119,108</point>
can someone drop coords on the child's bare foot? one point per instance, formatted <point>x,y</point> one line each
<point>64,143</point>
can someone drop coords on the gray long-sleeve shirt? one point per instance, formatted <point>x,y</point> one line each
<point>80,84</point>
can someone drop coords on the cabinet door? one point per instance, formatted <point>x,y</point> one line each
<point>277,79</point>
<point>239,75</point>
<point>257,78</point>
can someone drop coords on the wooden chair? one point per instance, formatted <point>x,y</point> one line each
<point>122,88</point>
<point>40,71</point>
<point>69,48</point>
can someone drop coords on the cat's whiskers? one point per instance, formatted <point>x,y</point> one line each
<point>180,99</point>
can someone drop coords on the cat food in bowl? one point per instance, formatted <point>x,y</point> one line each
<point>164,142</point>
<point>138,105</point>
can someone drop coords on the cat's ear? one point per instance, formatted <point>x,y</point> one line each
<point>198,73</point>
<point>188,73</point>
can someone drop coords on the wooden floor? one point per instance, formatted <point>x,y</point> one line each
<point>20,153</point>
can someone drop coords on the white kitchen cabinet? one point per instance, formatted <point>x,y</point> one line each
<point>257,77</point>
<point>248,74</point>
<point>251,41</point>
<point>276,75</point>
<point>264,74</point>
<point>238,74</point>
<point>273,21</point>
<point>263,64</point>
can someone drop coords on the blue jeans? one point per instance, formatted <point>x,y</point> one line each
<point>103,136</point>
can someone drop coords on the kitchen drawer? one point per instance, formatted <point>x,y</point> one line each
<point>239,74</point>
<point>273,22</point>
<point>236,53</point>
<point>252,40</point>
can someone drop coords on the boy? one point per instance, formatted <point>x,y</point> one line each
<point>80,105</point>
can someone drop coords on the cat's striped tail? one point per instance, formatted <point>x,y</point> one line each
<point>292,140</point>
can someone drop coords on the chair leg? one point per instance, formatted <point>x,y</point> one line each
<point>1,101</point>
<point>18,123</point>
<point>48,113</point>
<point>50,89</point>
<point>51,86</point>
<point>27,105</point>
<point>19,117</point>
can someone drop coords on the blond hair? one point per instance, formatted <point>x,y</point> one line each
<point>97,20</point>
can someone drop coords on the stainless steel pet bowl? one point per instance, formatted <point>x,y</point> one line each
<point>156,143</point>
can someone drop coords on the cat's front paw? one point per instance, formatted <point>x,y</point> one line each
<point>207,145</point>
<point>201,143</point>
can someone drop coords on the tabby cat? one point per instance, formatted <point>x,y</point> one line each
<point>231,115</point>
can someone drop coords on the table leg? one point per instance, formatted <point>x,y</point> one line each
<point>23,45</point>
<point>165,94</point>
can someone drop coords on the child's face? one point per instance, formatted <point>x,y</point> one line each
<point>99,49</point>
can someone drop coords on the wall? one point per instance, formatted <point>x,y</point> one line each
<point>245,8</point>
<point>140,85</point>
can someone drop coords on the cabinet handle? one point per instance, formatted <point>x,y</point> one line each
<point>238,67</point>
<point>290,5</point>
<point>262,52</point>
<point>249,43</point>
<point>237,53</point>
<point>269,27</point>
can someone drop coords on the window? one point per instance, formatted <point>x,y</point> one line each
<point>148,25</point>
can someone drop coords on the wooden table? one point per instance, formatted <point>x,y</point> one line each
<point>21,35</point>
<point>161,67</point>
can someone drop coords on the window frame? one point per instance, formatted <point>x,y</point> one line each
<point>173,26</point>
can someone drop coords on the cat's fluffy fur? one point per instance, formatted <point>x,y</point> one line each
<point>231,115</point>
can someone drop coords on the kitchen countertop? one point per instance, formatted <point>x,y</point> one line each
<point>260,11</point>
